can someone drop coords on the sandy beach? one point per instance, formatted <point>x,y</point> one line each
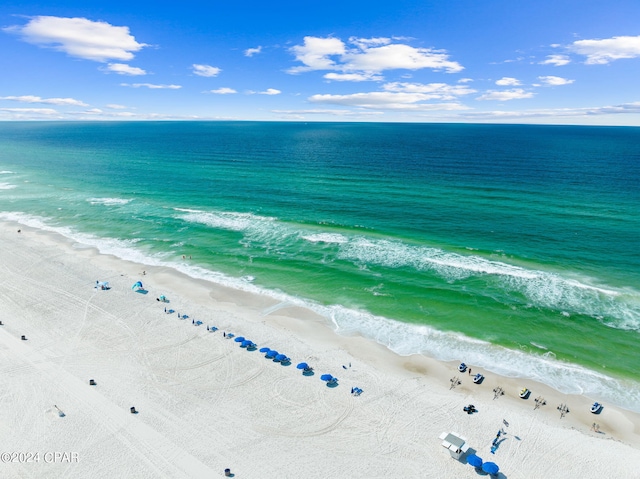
<point>204,404</point>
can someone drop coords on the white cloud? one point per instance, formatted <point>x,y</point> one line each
<point>397,56</point>
<point>315,54</point>
<point>555,81</point>
<point>625,108</point>
<point>38,111</point>
<point>151,86</point>
<point>440,91</point>
<point>506,95</point>
<point>600,52</point>
<point>557,60</point>
<point>386,101</point>
<point>300,113</point>
<point>115,106</point>
<point>124,69</point>
<point>249,52</point>
<point>355,77</point>
<point>508,81</point>
<point>465,80</point>
<point>367,56</point>
<point>270,91</point>
<point>222,91</point>
<point>205,70</point>
<point>80,37</point>
<point>46,101</point>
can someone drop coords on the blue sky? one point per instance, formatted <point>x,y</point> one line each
<point>502,61</point>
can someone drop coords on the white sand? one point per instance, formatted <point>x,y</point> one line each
<point>205,404</point>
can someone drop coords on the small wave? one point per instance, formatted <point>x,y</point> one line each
<point>540,288</point>
<point>7,186</point>
<point>326,238</point>
<point>225,220</point>
<point>539,346</point>
<point>6,172</point>
<point>108,201</point>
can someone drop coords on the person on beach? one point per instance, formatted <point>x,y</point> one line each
<point>469,371</point>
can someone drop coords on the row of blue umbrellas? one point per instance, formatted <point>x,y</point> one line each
<point>488,467</point>
<point>245,343</point>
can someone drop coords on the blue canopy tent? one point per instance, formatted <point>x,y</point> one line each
<point>474,460</point>
<point>490,468</point>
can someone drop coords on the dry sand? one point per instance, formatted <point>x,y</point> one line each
<point>205,404</point>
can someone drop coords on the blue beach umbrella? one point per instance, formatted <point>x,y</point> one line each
<point>272,353</point>
<point>245,343</point>
<point>303,366</point>
<point>239,339</point>
<point>490,468</point>
<point>280,357</point>
<point>326,377</point>
<point>264,350</point>
<point>474,461</point>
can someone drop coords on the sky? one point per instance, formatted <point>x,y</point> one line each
<point>471,61</point>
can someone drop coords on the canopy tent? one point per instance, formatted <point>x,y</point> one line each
<point>474,460</point>
<point>490,468</point>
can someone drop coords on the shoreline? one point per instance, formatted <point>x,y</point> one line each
<point>415,382</point>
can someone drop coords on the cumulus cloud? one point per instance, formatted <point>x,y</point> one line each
<point>79,37</point>
<point>46,101</point>
<point>557,60</point>
<point>367,56</point>
<point>508,81</point>
<point>355,77</point>
<point>115,106</point>
<point>270,91</point>
<point>403,96</point>
<point>222,91</point>
<point>555,81</point>
<point>439,91</point>
<point>151,86</point>
<point>249,52</point>
<point>30,111</point>
<point>124,69</point>
<point>386,101</point>
<point>600,52</point>
<point>205,70</point>
<point>506,95</point>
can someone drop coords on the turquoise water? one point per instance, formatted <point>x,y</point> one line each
<point>511,247</point>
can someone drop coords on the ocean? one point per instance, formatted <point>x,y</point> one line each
<point>511,247</point>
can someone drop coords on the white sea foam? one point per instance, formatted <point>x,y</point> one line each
<point>541,288</point>
<point>226,220</point>
<point>108,201</point>
<point>326,238</point>
<point>6,172</point>
<point>402,338</point>
<point>7,186</point>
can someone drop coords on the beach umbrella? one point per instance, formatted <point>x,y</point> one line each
<point>245,343</point>
<point>474,461</point>
<point>239,339</point>
<point>326,377</point>
<point>303,366</point>
<point>264,350</point>
<point>490,468</point>
<point>281,357</point>
<point>272,353</point>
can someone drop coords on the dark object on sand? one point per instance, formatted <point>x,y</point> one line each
<point>92,382</point>
<point>133,410</point>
